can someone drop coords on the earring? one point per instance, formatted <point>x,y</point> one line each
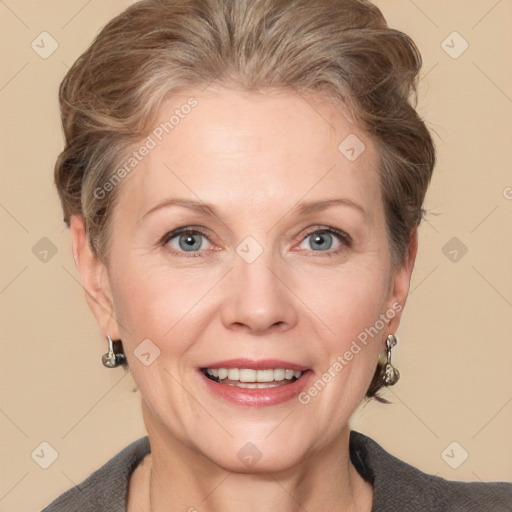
<point>113,358</point>
<point>391,374</point>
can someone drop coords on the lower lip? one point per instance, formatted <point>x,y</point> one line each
<point>258,397</point>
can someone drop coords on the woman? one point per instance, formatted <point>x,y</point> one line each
<point>212,149</point>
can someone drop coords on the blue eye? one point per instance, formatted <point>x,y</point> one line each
<point>188,240</point>
<point>323,239</point>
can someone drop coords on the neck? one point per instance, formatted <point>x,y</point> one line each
<point>176,477</point>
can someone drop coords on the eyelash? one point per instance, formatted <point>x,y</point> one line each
<point>343,237</point>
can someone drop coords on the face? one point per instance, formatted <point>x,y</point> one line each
<point>247,245</point>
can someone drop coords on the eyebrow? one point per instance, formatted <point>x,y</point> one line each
<point>301,209</point>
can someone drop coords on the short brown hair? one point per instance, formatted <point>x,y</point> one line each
<point>341,49</point>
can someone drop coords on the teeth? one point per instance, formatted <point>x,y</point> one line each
<point>279,375</point>
<point>247,375</point>
<point>234,374</point>
<point>265,376</point>
<point>255,385</point>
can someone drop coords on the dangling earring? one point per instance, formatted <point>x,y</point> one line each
<point>391,374</point>
<point>113,358</point>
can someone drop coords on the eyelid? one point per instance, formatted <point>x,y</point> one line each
<point>164,241</point>
<point>344,239</point>
<point>185,229</point>
<point>327,229</point>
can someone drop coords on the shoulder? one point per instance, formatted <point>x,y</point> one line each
<point>400,486</point>
<point>106,488</point>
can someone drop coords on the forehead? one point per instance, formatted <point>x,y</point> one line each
<point>253,150</point>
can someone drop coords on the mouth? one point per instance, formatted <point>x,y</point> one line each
<point>249,378</point>
<point>255,383</point>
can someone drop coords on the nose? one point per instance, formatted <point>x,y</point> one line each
<point>258,299</point>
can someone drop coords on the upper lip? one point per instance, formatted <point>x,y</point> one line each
<point>261,364</point>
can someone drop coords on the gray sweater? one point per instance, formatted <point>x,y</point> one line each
<point>397,486</point>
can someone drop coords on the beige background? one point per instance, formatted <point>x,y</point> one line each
<point>454,353</point>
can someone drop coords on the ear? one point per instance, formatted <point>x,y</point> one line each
<point>94,279</point>
<point>401,281</point>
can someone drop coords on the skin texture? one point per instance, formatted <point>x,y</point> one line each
<point>254,156</point>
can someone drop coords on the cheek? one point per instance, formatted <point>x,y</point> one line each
<point>167,306</point>
<point>147,302</point>
<point>351,305</point>
<point>351,300</point>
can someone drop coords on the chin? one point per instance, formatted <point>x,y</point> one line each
<point>250,459</point>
